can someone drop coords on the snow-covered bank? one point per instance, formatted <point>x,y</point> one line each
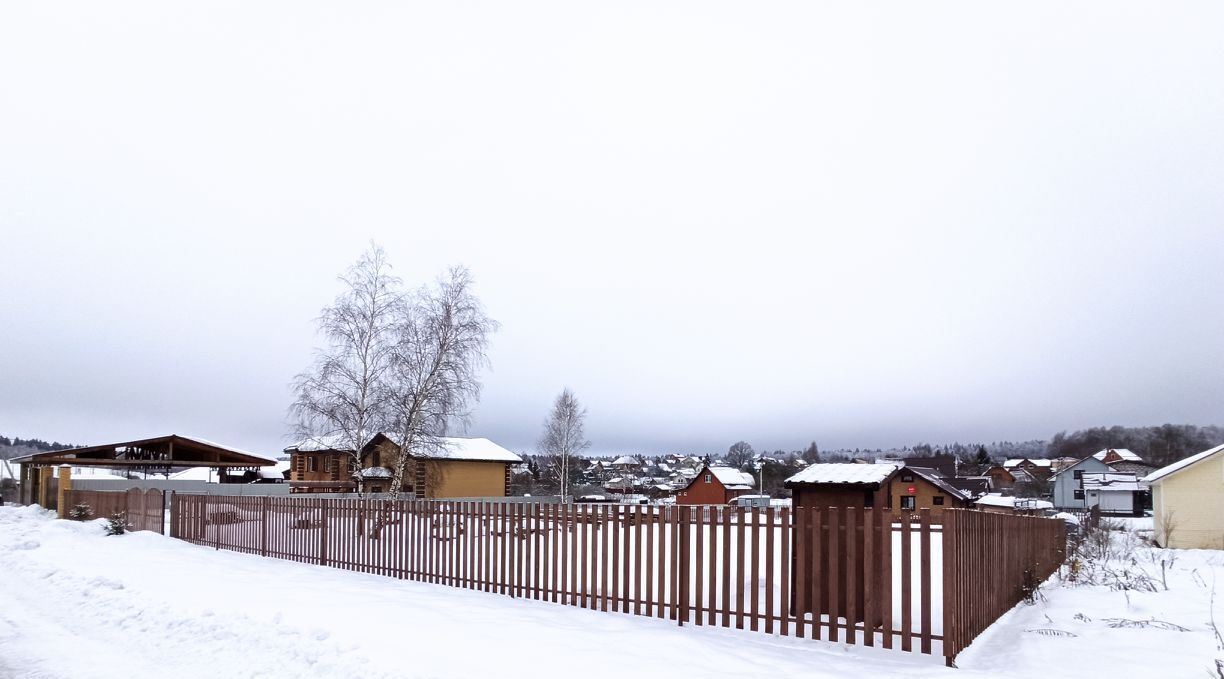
<point>1137,612</point>
<point>75,603</point>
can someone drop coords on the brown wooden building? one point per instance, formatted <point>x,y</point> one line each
<point>887,486</point>
<point>715,486</point>
<point>321,464</point>
<point>446,468</point>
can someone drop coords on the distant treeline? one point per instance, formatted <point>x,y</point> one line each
<point>13,447</point>
<point>1158,445</point>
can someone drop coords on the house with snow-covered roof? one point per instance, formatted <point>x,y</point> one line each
<point>716,485</point>
<point>1111,455</point>
<point>441,467</point>
<point>885,485</point>
<point>1188,501</point>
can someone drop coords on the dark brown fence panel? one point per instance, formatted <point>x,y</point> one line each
<point>1021,553</point>
<point>144,509</point>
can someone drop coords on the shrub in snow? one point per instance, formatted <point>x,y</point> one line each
<point>80,512</point>
<point>117,524</point>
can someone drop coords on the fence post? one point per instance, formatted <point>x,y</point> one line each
<point>682,542</point>
<point>216,526</point>
<point>323,532</point>
<point>63,491</point>
<point>263,526</point>
<point>171,530</point>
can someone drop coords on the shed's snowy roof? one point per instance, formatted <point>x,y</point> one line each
<point>845,472</point>
<point>376,473</point>
<point>1111,481</point>
<point>624,459</point>
<point>1182,464</point>
<point>1122,453</point>
<point>995,500</point>
<point>456,448</point>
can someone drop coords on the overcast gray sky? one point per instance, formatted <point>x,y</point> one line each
<point>867,224</point>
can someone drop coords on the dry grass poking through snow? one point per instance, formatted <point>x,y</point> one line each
<point>1119,607</point>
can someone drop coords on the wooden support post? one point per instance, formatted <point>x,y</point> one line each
<point>65,485</point>
<point>44,487</point>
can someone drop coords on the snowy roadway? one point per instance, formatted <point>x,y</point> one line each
<point>77,604</point>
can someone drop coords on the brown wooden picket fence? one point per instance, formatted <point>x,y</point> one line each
<point>856,576</point>
<point>993,561</point>
<point>144,509</point>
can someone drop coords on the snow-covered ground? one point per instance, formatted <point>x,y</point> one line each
<point>76,603</point>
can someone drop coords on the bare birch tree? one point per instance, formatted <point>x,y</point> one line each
<point>441,338</point>
<point>340,396</point>
<point>564,437</point>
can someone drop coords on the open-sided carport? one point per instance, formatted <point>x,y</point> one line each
<point>160,454</point>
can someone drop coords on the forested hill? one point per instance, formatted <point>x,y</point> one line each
<point>15,447</point>
<point>1159,446</point>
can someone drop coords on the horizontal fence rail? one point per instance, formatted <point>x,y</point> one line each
<point>911,581</point>
<point>143,509</point>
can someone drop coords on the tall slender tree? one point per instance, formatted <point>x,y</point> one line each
<point>441,336</point>
<point>339,398</point>
<point>564,437</point>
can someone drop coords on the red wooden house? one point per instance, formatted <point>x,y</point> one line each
<point>715,486</point>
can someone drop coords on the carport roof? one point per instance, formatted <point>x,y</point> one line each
<point>173,450</point>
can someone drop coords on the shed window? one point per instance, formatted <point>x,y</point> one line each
<point>1079,493</point>
<point>907,502</point>
<point>938,499</point>
<point>708,477</point>
<point>1079,474</point>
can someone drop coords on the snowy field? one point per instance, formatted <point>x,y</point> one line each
<point>76,603</point>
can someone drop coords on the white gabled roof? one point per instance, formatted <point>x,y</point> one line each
<point>456,448</point>
<point>1123,453</point>
<point>624,459</point>
<point>845,472</point>
<point>733,479</point>
<point>1182,464</point>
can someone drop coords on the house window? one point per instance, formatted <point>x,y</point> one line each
<point>708,478</point>
<point>938,500</point>
<point>312,463</point>
<point>907,477</point>
<point>1079,474</point>
<point>1079,493</point>
<point>907,501</point>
